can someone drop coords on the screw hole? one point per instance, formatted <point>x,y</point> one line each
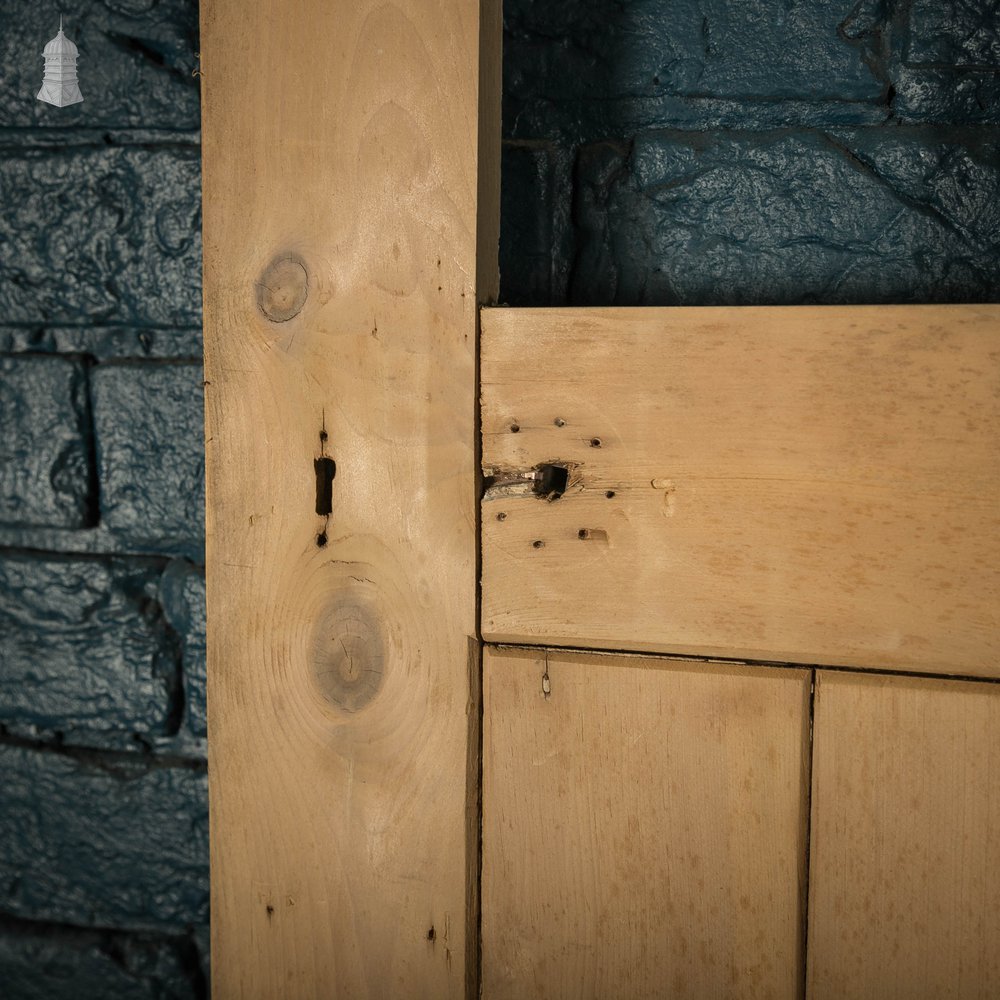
<point>514,428</point>
<point>582,533</point>
<point>595,442</point>
<point>610,494</point>
<point>323,435</point>
<point>537,543</point>
<point>321,539</point>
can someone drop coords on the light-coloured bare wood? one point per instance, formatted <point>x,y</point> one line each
<point>904,893</point>
<point>343,205</point>
<point>816,485</point>
<point>643,828</point>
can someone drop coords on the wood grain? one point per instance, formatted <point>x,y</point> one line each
<point>815,485</point>
<point>643,828</point>
<point>904,895</point>
<point>344,210</point>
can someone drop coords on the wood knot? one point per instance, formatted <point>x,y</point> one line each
<point>348,654</point>
<point>282,288</point>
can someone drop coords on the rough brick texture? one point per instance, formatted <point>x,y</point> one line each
<point>103,804</point>
<point>46,472</point>
<point>850,216</point>
<point>823,151</point>
<point>182,590</point>
<point>99,234</point>
<point>150,454</point>
<point>102,841</point>
<point>39,962</point>
<point>103,343</point>
<point>87,652</point>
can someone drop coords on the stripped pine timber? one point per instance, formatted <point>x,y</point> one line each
<point>343,205</point>
<point>812,485</point>
<point>904,894</point>
<point>643,827</point>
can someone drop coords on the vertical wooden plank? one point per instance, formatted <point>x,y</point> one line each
<point>343,206</point>
<point>643,827</point>
<point>904,894</point>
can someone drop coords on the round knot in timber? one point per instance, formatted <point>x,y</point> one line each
<point>282,288</point>
<point>348,653</point>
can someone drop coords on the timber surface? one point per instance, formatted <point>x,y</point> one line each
<point>800,484</point>
<point>343,205</point>
<point>904,895</point>
<point>643,827</point>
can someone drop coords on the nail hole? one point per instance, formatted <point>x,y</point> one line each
<point>323,435</point>
<point>537,543</point>
<point>595,442</point>
<point>582,533</point>
<point>321,539</point>
<point>326,469</point>
<point>501,516</point>
<point>552,481</point>
<point>431,935</point>
<point>610,494</point>
<point>559,422</point>
<point>514,428</point>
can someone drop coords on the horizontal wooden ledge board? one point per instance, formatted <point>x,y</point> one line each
<point>816,485</point>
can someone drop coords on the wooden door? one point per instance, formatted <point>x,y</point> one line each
<point>680,515</point>
<point>782,486</point>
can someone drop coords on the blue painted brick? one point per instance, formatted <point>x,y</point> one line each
<point>150,454</point>
<point>954,33</point>
<point>183,595</point>
<point>135,65</point>
<point>86,651</point>
<point>107,842</point>
<point>46,476</point>
<point>711,48</point>
<point>91,235</point>
<point>904,216</point>
<point>45,963</point>
<point>598,68</point>
<point>104,343</point>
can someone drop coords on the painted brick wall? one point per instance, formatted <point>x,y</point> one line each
<point>103,811</point>
<point>690,151</point>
